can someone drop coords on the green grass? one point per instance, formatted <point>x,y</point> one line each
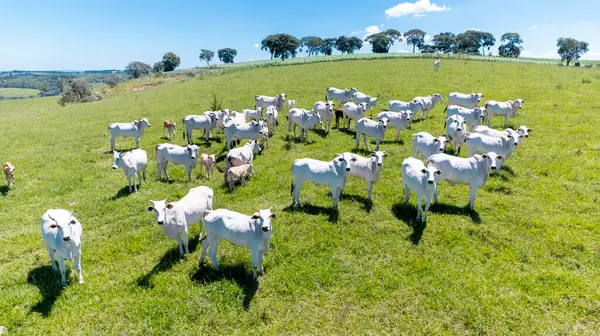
<point>17,93</point>
<point>526,262</point>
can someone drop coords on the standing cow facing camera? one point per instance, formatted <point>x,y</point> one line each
<point>62,234</point>
<point>9,173</point>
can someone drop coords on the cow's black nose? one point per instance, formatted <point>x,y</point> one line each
<point>380,164</point>
<point>161,222</point>
<point>265,229</point>
<point>441,149</point>
<point>493,167</point>
<point>67,238</point>
<point>430,182</point>
<point>347,169</point>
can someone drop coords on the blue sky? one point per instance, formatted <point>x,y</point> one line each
<point>69,34</point>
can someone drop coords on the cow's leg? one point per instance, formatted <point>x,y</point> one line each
<point>376,144</point>
<point>137,142</point>
<point>406,193</point>
<point>214,245</point>
<point>370,189</point>
<point>365,141</point>
<point>185,237</point>
<point>179,242</point>
<point>261,257</point>
<point>473,192</point>
<point>63,268</point>
<point>427,205</point>
<point>112,143</point>
<point>419,206</point>
<point>129,181</point>
<point>51,255</point>
<point>255,257</point>
<point>165,166</point>
<point>357,139</point>
<point>397,134</point>
<point>297,187</point>
<point>205,246</point>
<point>188,170</point>
<point>78,264</point>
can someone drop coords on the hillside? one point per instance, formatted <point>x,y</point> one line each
<point>525,262</point>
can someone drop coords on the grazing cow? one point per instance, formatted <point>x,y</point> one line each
<point>368,169</point>
<point>208,162</point>
<point>305,119</point>
<point>272,117</point>
<point>359,97</point>
<point>368,127</point>
<point>507,109</point>
<point>400,106</point>
<point>465,100</point>
<point>253,114</point>
<point>342,96</point>
<point>456,132</point>
<point>422,180</point>
<point>206,122</point>
<point>251,231</point>
<point>522,130</point>
<point>325,111</point>
<point>333,173</point>
<point>428,103</point>
<point>169,129</point>
<point>62,234</point>
<point>436,65</point>
<point>353,111</point>
<point>266,101</point>
<point>176,217</point>
<point>426,145</point>
<point>187,156</point>
<point>474,171</point>
<point>133,163</point>
<point>125,130</point>
<point>9,173</point>
<point>235,118</point>
<point>249,131</point>
<point>291,104</point>
<point>241,155</point>
<point>473,117</point>
<point>503,147</point>
<point>239,174</point>
<point>397,120</point>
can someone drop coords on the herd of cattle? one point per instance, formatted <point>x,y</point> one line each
<point>487,150</point>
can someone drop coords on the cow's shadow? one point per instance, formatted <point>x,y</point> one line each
<point>408,214</point>
<point>4,190</point>
<point>367,204</point>
<point>168,260</point>
<point>456,210</point>
<point>123,192</point>
<point>48,283</point>
<point>333,215</point>
<point>207,274</point>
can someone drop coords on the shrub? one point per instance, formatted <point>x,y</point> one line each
<point>137,69</point>
<point>216,104</point>
<point>76,91</point>
<point>112,80</point>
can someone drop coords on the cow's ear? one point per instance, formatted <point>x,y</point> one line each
<point>529,130</point>
<point>150,208</point>
<point>485,156</point>
<point>273,216</point>
<point>170,206</point>
<point>424,171</point>
<point>255,216</point>
<point>500,157</point>
<point>373,154</point>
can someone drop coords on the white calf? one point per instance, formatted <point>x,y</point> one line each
<point>9,173</point>
<point>359,97</point>
<point>187,156</point>
<point>125,130</point>
<point>465,100</point>
<point>456,132</point>
<point>429,103</point>
<point>305,119</point>
<point>368,127</point>
<point>272,117</point>
<point>422,180</point>
<point>253,114</point>
<point>333,173</point>
<point>426,145</point>
<point>474,171</point>
<point>436,65</point>
<point>368,169</point>
<point>397,120</point>
<point>249,130</point>
<point>472,117</point>
<point>176,217</point>
<point>400,106</point>
<point>207,122</point>
<point>342,96</point>
<point>507,109</point>
<point>266,101</point>
<point>353,111</point>
<point>238,229</point>
<point>325,111</point>
<point>207,162</point>
<point>132,163</point>
<point>239,174</point>
<point>235,118</point>
<point>62,234</point>
<point>241,155</point>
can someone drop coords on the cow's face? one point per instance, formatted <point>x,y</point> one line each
<point>475,97</point>
<point>282,97</point>
<point>117,160</point>
<point>342,162</point>
<point>192,151</point>
<point>255,146</point>
<point>8,169</point>
<point>363,107</point>
<point>441,142</point>
<point>63,224</point>
<point>145,122</point>
<point>408,115</point>
<point>431,173</point>
<point>491,160</point>
<point>263,219</point>
<point>377,158</point>
<point>383,122</point>
<point>524,131</point>
<point>353,90</point>
<point>160,210</point>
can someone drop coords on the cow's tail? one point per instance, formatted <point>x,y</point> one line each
<point>292,189</point>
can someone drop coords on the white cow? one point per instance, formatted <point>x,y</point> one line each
<point>272,117</point>
<point>325,111</point>
<point>187,156</point>
<point>428,103</point>
<point>249,130</point>
<point>133,163</point>
<point>207,122</point>
<point>207,162</point>
<point>507,109</point>
<point>368,169</point>
<point>266,101</point>
<point>125,130</point>
<point>426,145</point>
<point>62,234</point>
<point>522,130</point>
<point>333,173</point>
<point>241,155</point>
<point>504,146</point>
<point>342,96</point>
<point>456,132</point>
<point>354,111</point>
<point>474,171</point>
<point>400,106</point>
<point>305,119</point>
<point>175,218</point>
<point>465,100</point>
<point>291,104</point>
<point>251,231</point>
<point>473,117</point>
<point>359,97</point>
<point>239,174</point>
<point>222,116</point>
<point>436,65</point>
<point>397,120</point>
<point>422,180</point>
<point>235,118</point>
<point>368,127</point>
<point>253,114</point>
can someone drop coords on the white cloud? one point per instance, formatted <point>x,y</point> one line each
<point>356,32</point>
<point>256,45</point>
<point>418,15</point>
<point>250,59</point>
<point>416,9</point>
<point>592,55</point>
<point>526,54</point>
<point>402,51</point>
<point>475,29</point>
<point>370,30</point>
<point>550,54</point>
<point>534,27</point>
<point>428,38</point>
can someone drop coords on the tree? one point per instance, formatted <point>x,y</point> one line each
<point>206,55</point>
<point>468,42</point>
<point>137,69</point>
<point>382,42</point>
<point>428,48</point>
<point>158,67</point>
<point>512,45</point>
<point>445,42</point>
<point>268,44</point>
<point>415,37</point>
<point>171,61</point>
<point>77,91</point>
<point>42,87</point>
<point>226,55</point>
<point>311,44</point>
<point>281,45</point>
<point>570,49</point>
<point>112,80</point>
<point>486,40</point>
<point>327,46</point>
<point>348,44</point>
